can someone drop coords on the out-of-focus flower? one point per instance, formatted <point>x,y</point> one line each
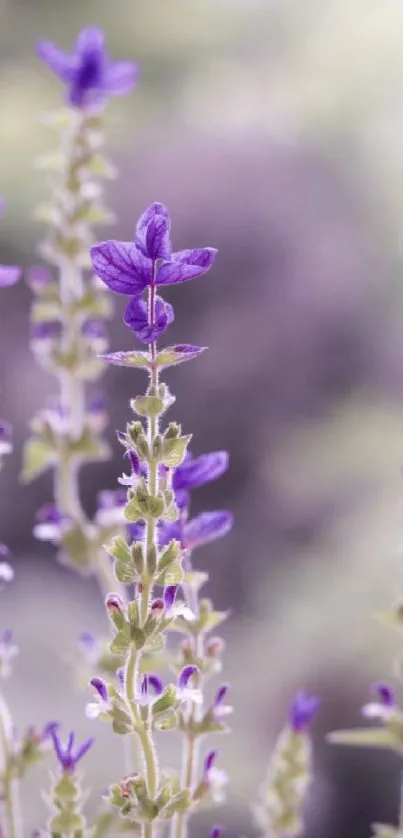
<point>89,74</point>
<point>302,711</point>
<point>69,755</point>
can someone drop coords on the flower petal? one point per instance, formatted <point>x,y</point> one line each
<point>141,228</point>
<point>206,527</point>
<point>196,471</point>
<point>90,40</point>
<point>185,265</point>
<point>121,77</point>
<point>9,274</point>
<point>62,64</point>
<point>121,266</point>
<point>136,317</point>
<point>158,245</point>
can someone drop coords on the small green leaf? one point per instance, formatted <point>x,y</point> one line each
<point>137,359</point>
<point>174,450</point>
<point>38,456</point>
<point>172,355</point>
<point>119,550</point>
<point>124,573</point>
<point>121,642</point>
<point>149,406</point>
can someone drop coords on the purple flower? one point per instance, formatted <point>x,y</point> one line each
<point>48,330</point>
<point>219,709</point>
<point>102,705</point>
<point>302,711</point>
<point>50,523</point>
<point>216,832</point>
<point>6,435</point>
<point>111,504</point>
<point>184,690</point>
<point>136,317</point>
<point>38,279</point>
<point>214,777</point>
<point>68,755</point>
<point>386,705</point>
<point>196,471</point>
<point>208,526</point>
<point>89,74</point>
<point>95,329</point>
<point>89,646</point>
<point>129,267</point>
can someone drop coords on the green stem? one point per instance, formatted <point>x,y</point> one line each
<point>12,825</point>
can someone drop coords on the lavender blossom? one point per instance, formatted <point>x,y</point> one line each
<point>69,755</point>
<point>88,73</point>
<point>302,711</point>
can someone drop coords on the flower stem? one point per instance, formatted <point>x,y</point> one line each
<point>11,816</point>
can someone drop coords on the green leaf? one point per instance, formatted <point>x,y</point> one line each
<point>173,575</point>
<point>120,642</point>
<point>38,456</point>
<point>127,359</point>
<point>149,406</point>
<point>178,354</point>
<point>377,737</point>
<point>124,573</point>
<point>174,450</point>
<point>119,550</point>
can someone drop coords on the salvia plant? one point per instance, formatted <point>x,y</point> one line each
<point>150,674</point>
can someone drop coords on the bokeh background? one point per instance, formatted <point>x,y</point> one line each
<point>273,130</point>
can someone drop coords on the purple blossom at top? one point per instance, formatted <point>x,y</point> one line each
<point>130,267</point>
<point>89,73</point>
<point>302,711</point>
<point>69,755</point>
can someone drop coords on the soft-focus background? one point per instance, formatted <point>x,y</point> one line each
<point>273,130</point>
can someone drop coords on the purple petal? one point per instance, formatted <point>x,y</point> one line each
<point>47,330</point>
<point>207,527</point>
<point>221,695</point>
<point>49,514</point>
<point>136,317</point>
<point>209,761</point>
<point>216,832</point>
<point>156,684</point>
<point>121,77</point>
<point>100,687</point>
<point>121,266</point>
<point>158,245</point>
<point>169,595</point>
<point>90,40</point>
<point>57,744</point>
<point>47,730</point>
<point>169,530</point>
<point>302,711</point>
<point>194,472</point>
<point>155,209</point>
<point>9,275</point>
<point>185,675</point>
<point>59,62</point>
<point>94,328</point>
<point>185,265</point>
<point>134,461</point>
<point>385,694</point>
<point>136,531</point>
<point>82,750</point>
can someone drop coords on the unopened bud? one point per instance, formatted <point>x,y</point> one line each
<point>215,647</point>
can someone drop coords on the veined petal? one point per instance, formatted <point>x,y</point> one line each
<point>136,317</point>
<point>185,265</point>
<point>141,228</point>
<point>121,266</point>
<point>9,274</point>
<point>158,245</point>
<point>121,76</point>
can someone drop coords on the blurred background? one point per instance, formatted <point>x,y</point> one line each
<point>273,130</point>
